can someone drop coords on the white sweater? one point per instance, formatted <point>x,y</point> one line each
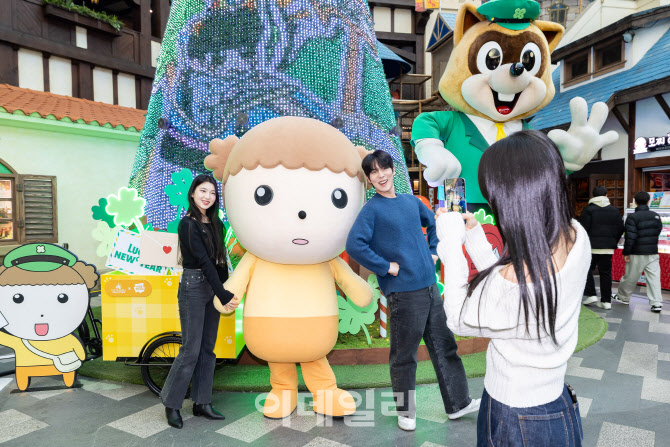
<point>521,371</point>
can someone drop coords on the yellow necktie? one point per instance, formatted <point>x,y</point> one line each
<point>500,134</point>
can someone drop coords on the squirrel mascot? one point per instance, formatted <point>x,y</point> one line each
<point>499,73</point>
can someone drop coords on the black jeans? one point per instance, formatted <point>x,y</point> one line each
<point>415,315</point>
<point>196,359</point>
<point>604,263</point>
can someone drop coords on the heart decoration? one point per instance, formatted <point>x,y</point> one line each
<point>167,249</point>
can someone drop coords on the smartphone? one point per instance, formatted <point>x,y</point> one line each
<point>454,195</point>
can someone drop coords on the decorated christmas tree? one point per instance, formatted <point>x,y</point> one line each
<point>228,65</point>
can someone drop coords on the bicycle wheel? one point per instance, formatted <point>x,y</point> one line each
<point>158,358</point>
<point>95,343</point>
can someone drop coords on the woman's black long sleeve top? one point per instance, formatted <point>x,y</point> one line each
<point>195,255</point>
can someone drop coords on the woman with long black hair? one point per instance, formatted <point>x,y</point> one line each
<point>527,301</point>
<point>205,271</point>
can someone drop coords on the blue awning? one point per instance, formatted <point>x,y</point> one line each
<point>394,65</point>
<point>652,67</point>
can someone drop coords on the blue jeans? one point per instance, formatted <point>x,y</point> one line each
<point>550,425</point>
<point>199,326</point>
<point>415,315</point>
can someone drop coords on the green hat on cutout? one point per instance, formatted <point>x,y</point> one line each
<point>39,257</point>
<point>510,14</point>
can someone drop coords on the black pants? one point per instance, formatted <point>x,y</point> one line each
<point>604,263</point>
<point>415,315</point>
<point>199,326</point>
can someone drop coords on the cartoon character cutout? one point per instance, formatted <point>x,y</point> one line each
<point>43,299</point>
<point>293,188</point>
<point>498,74</point>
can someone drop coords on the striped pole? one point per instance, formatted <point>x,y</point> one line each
<point>382,316</point>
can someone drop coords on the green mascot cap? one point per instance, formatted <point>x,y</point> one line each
<point>510,14</point>
<point>39,257</point>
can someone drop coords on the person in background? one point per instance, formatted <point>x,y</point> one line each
<point>205,271</point>
<point>640,251</point>
<point>604,225</point>
<point>387,238</point>
<point>527,301</point>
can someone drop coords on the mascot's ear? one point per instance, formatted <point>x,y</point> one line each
<point>220,151</point>
<point>466,18</point>
<point>362,152</point>
<point>552,31</point>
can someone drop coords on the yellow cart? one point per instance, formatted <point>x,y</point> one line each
<point>141,325</point>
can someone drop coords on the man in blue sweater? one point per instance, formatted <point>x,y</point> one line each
<point>387,238</point>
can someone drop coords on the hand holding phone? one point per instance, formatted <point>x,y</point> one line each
<point>470,221</point>
<point>454,191</point>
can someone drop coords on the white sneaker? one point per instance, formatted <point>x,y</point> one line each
<point>474,406</point>
<point>616,299</point>
<point>407,424</point>
<point>606,306</point>
<point>590,300</point>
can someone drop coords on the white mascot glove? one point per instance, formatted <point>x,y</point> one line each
<point>582,140</point>
<point>440,163</point>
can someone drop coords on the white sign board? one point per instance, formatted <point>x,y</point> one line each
<point>125,256</point>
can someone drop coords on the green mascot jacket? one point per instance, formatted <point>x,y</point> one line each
<point>462,138</point>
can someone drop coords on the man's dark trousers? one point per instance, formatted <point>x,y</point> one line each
<point>604,264</point>
<point>415,315</point>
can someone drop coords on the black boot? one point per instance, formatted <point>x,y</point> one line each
<point>207,411</point>
<point>174,418</point>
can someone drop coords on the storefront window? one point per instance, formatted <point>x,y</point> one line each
<point>28,211</point>
<point>658,181</point>
<point>7,214</point>
<point>559,13</point>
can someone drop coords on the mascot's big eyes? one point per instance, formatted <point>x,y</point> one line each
<point>18,298</point>
<point>263,195</point>
<point>339,198</point>
<point>62,298</point>
<point>531,58</point>
<point>489,57</point>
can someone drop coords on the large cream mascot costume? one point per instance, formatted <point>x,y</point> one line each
<point>498,74</point>
<point>293,188</point>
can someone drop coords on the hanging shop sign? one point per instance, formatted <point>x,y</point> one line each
<point>651,144</point>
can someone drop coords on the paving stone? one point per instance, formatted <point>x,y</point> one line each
<point>656,389</point>
<point>623,435</point>
<point>147,422</point>
<point>638,359</point>
<point>4,381</point>
<point>113,390</point>
<point>322,442</point>
<point>659,328</point>
<point>612,320</point>
<point>16,424</point>
<point>250,427</point>
<point>610,335</point>
<point>574,369</point>
<point>584,405</point>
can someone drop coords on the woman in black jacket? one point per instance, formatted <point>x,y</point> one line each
<point>604,225</point>
<point>205,271</point>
